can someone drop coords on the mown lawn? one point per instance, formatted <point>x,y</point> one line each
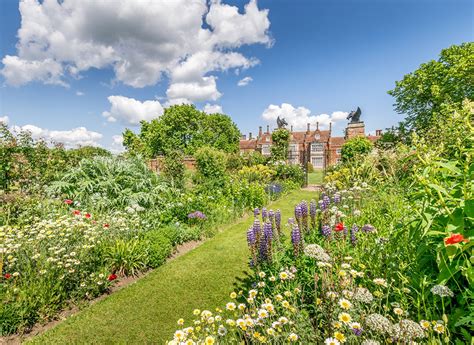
<point>315,177</point>
<point>147,311</point>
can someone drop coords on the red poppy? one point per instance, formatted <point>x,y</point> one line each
<point>88,215</point>
<point>68,201</point>
<point>112,277</point>
<point>455,238</point>
<point>7,275</point>
<point>77,212</point>
<point>106,225</point>
<point>339,227</point>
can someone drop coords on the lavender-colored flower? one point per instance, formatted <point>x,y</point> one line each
<point>357,331</point>
<point>256,212</point>
<point>251,239</point>
<point>291,221</point>
<point>337,198</point>
<point>326,230</point>
<point>257,229</point>
<point>312,208</point>
<point>354,231</point>
<point>278,221</point>
<point>264,213</point>
<point>197,215</point>
<point>263,250</point>
<point>345,231</point>
<point>368,228</point>
<point>304,208</point>
<point>298,213</point>
<point>326,203</point>
<point>267,231</point>
<point>296,239</point>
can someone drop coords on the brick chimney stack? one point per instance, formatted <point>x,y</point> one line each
<point>268,129</point>
<point>308,128</point>
<point>244,137</point>
<point>378,132</point>
<point>330,127</point>
<point>291,129</point>
<point>250,136</point>
<point>317,126</point>
<point>260,131</point>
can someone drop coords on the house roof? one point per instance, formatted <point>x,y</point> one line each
<point>337,141</point>
<point>248,144</point>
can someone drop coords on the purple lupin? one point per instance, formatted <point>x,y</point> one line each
<point>296,239</point>
<point>326,231</point>
<point>278,222</point>
<point>354,231</point>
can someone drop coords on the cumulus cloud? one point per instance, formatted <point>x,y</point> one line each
<point>212,108</point>
<point>299,117</point>
<point>117,144</point>
<point>79,93</point>
<point>140,40</point>
<point>131,111</point>
<point>244,81</point>
<point>79,136</point>
<point>4,119</point>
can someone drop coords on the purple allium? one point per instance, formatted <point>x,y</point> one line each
<point>326,230</point>
<point>256,212</point>
<point>354,231</point>
<point>197,215</point>
<point>368,228</point>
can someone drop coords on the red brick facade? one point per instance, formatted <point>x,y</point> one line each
<point>323,150</point>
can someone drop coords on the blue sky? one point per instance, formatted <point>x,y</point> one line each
<point>318,57</point>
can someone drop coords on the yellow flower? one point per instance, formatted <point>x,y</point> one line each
<point>270,331</point>
<point>319,301</point>
<point>342,273</point>
<point>285,304</point>
<point>345,304</point>
<point>181,322</point>
<point>179,335</point>
<point>378,293</point>
<point>337,325</point>
<point>196,312</point>
<point>278,297</point>
<point>230,306</point>
<point>261,274</point>
<point>241,323</point>
<point>439,328</point>
<point>230,322</point>
<point>233,295</point>
<point>209,340</point>
<point>262,313</point>
<point>287,293</point>
<point>425,324</point>
<point>283,275</point>
<point>293,337</point>
<point>345,318</point>
<point>339,336</point>
<point>253,293</point>
<point>256,334</point>
<point>241,306</point>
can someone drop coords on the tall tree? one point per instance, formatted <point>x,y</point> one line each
<point>449,80</point>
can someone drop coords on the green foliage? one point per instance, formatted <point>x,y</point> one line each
<point>183,128</point>
<point>422,93</point>
<point>127,257</point>
<point>253,158</point>
<point>211,167</point>
<point>289,172</point>
<point>158,247</point>
<point>174,169</point>
<point>355,148</point>
<point>234,162</point>
<point>280,144</point>
<point>310,168</point>
<point>257,173</point>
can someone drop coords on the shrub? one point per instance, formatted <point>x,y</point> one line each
<point>158,247</point>
<point>257,173</point>
<point>174,169</point>
<point>211,167</point>
<point>289,172</point>
<point>310,168</point>
<point>279,148</point>
<point>355,147</point>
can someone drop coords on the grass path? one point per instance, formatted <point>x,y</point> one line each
<point>146,311</point>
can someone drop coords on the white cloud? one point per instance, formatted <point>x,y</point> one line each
<point>79,93</point>
<point>212,108</point>
<point>4,119</point>
<point>117,144</point>
<point>140,40</point>
<point>204,89</point>
<point>130,111</point>
<point>79,136</point>
<point>299,117</point>
<point>245,81</point>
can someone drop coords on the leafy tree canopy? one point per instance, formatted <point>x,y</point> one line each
<point>183,128</point>
<point>421,94</point>
<point>281,141</point>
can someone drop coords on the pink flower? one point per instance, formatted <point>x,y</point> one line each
<point>87,215</point>
<point>68,201</point>
<point>77,212</point>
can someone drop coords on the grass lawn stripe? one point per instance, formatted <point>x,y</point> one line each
<point>147,311</point>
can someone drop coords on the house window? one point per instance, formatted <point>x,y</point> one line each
<point>317,147</point>
<point>267,139</point>
<point>293,148</point>
<point>265,150</point>
<point>318,162</point>
<point>317,136</point>
<point>338,151</point>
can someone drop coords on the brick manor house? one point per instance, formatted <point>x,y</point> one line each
<point>322,148</point>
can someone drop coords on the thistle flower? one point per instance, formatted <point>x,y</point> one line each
<point>326,231</point>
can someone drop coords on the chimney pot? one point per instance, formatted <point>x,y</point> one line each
<point>291,129</point>
<point>250,135</point>
<point>330,126</point>
<point>317,126</point>
<point>378,132</point>
<point>308,127</point>
<point>268,129</point>
<point>260,131</point>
